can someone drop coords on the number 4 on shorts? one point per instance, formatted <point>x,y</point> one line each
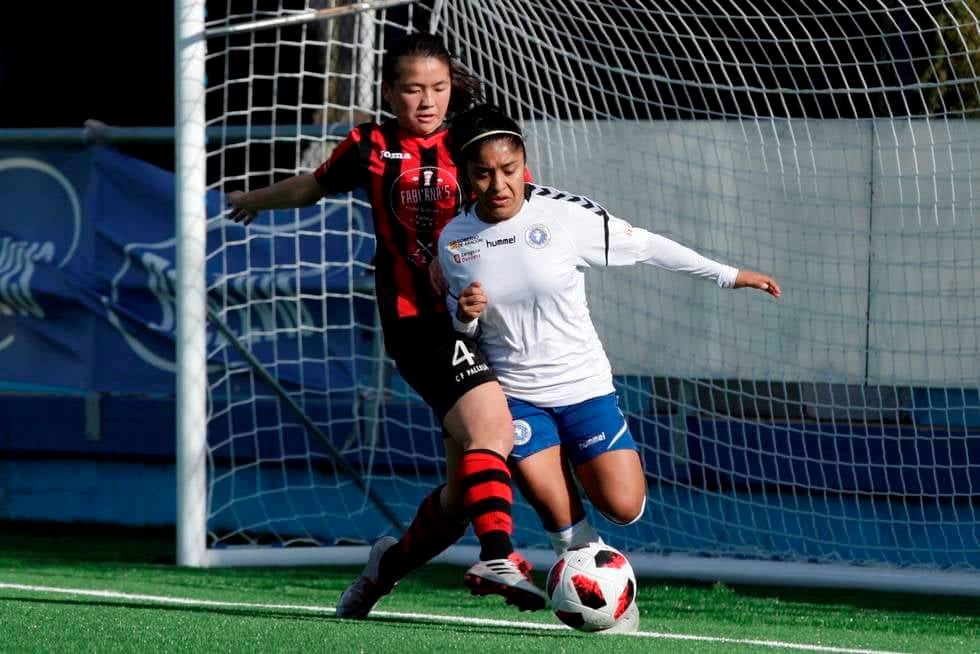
<point>461,354</point>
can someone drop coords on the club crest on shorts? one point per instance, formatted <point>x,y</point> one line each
<point>537,236</point>
<point>522,432</point>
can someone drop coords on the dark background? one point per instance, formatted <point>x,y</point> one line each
<point>64,62</point>
<point>61,64</point>
<point>112,60</point>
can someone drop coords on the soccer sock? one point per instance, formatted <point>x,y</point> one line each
<point>487,498</point>
<point>577,534</point>
<point>431,532</point>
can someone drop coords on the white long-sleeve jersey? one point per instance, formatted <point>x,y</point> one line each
<point>536,331</point>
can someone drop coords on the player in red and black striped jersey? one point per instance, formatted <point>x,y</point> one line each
<point>411,182</point>
<point>405,166</point>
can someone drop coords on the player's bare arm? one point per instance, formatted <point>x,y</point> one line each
<point>298,191</point>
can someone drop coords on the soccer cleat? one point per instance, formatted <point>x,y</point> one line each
<point>510,578</point>
<point>628,623</point>
<point>361,596</point>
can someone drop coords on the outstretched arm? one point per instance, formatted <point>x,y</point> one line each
<point>623,245</point>
<point>671,255</point>
<point>339,174</point>
<point>605,240</point>
<point>668,254</point>
<point>298,191</point>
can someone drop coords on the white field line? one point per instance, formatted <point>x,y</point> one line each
<point>427,617</point>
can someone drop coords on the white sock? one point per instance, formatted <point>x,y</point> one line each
<point>578,534</point>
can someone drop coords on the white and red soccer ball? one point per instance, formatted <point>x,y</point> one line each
<point>591,587</point>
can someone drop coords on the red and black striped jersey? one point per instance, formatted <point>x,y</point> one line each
<point>413,188</point>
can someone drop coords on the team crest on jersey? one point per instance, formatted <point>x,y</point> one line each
<point>537,236</point>
<point>522,432</point>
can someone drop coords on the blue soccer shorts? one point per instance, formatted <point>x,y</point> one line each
<point>584,430</point>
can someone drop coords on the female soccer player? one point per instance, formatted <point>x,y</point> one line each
<point>514,260</point>
<point>405,166</point>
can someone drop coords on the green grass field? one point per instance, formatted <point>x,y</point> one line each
<point>48,576</point>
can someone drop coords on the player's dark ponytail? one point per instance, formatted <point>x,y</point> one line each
<point>467,88</point>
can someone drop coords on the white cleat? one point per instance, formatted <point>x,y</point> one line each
<point>361,596</point>
<point>628,623</point>
<point>510,578</point>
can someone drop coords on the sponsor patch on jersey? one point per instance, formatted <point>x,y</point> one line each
<point>537,236</point>
<point>463,257</point>
<point>388,154</point>
<point>522,432</point>
<point>417,195</point>
<point>459,243</point>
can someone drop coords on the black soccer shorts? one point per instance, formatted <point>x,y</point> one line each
<point>442,364</point>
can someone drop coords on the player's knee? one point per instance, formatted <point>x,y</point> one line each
<point>504,444</point>
<point>487,430</point>
<point>495,434</point>
<point>626,512</point>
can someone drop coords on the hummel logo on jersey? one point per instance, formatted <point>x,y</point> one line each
<point>510,240</point>
<point>388,154</point>
<point>592,440</point>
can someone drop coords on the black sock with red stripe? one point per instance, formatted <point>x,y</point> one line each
<point>431,532</point>
<point>487,498</point>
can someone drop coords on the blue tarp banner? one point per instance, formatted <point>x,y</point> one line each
<point>88,277</point>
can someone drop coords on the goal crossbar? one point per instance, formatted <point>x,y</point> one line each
<point>305,17</point>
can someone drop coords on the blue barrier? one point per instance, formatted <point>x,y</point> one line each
<point>89,284</point>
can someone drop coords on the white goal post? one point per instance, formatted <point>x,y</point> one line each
<point>830,438</point>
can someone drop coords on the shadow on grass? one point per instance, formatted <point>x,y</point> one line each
<point>53,542</point>
<point>879,601</point>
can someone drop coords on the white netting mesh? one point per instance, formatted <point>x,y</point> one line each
<point>297,287</point>
<point>835,149</point>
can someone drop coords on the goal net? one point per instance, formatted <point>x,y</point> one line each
<point>831,433</point>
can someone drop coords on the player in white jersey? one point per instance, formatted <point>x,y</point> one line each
<point>515,260</point>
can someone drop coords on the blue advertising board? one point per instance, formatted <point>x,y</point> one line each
<point>88,277</point>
